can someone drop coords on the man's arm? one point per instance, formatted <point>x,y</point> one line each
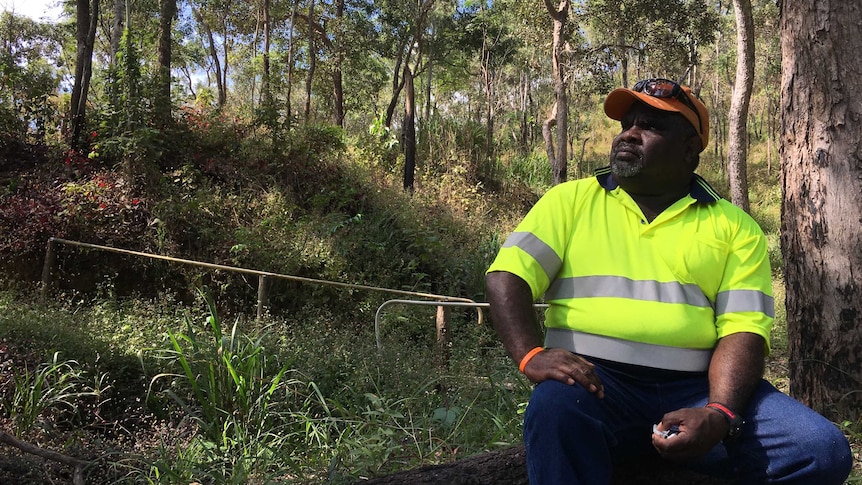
<point>513,314</point>
<point>734,373</point>
<point>518,328</point>
<point>736,369</point>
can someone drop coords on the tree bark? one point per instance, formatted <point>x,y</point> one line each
<point>524,95</point>
<point>548,136</point>
<point>266,88</point>
<point>312,62</point>
<point>86,19</point>
<point>821,233</point>
<point>737,147</point>
<point>117,27</point>
<point>559,164</point>
<point>291,61</point>
<point>409,131</point>
<point>337,84</point>
<point>167,11</point>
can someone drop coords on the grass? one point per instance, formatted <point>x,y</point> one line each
<point>242,403</point>
<point>303,396</point>
<point>292,399</point>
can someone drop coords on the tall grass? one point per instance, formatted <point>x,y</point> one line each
<point>50,391</point>
<point>235,392</point>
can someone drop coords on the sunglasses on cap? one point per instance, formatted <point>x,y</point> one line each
<point>665,88</point>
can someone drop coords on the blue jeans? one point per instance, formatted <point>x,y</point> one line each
<point>573,437</point>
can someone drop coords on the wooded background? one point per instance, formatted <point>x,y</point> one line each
<point>503,80</point>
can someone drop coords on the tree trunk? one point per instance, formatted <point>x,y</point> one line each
<point>524,132</point>
<point>508,467</point>
<point>488,74</point>
<point>167,11</point>
<point>337,85</point>
<point>291,53</point>
<point>559,166</point>
<point>86,19</point>
<point>737,147</point>
<point>489,113</point>
<point>548,136</point>
<point>312,62</point>
<point>397,81</point>
<point>222,91</point>
<point>409,132</point>
<point>821,233</point>
<point>225,47</point>
<point>405,51</point>
<point>429,81</point>
<point>112,86</point>
<point>117,28</point>
<point>266,89</point>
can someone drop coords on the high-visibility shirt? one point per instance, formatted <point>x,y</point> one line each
<point>696,273</point>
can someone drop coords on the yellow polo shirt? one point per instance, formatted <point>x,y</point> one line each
<point>698,272</point>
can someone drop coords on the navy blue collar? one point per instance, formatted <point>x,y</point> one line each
<point>700,190</point>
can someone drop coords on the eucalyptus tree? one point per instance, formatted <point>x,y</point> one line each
<point>404,28</point>
<point>86,20</point>
<point>821,233</point>
<point>559,117</point>
<point>737,150</point>
<point>216,22</point>
<point>167,12</point>
<point>767,64</point>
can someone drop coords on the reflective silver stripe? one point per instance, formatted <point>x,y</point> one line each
<point>628,352</point>
<point>744,301</point>
<point>621,287</point>
<point>535,247</point>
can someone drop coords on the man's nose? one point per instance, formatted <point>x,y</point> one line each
<point>630,133</point>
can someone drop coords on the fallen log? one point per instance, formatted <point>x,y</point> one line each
<point>77,475</point>
<point>508,467</point>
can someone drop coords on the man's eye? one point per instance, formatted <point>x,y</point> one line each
<point>647,125</point>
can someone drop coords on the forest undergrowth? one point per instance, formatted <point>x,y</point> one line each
<point>153,372</point>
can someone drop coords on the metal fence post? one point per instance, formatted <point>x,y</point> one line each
<point>443,346</point>
<point>261,295</point>
<point>48,269</point>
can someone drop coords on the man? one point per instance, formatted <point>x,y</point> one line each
<point>660,310</point>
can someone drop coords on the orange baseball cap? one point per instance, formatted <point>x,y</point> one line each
<point>619,101</point>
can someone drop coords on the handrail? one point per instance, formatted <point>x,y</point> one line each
<point>50,257</point>
<point>431,303</point>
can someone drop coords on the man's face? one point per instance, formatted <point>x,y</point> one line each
<point>654,153</point>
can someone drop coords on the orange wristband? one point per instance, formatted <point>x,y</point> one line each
<point>529,357</point>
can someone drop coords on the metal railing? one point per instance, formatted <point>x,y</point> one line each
<point>50,262</point>
<point>438,304</point>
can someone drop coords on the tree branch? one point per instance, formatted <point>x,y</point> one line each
<point>78,477</point>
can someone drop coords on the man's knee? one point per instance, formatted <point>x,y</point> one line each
<point>832,456</point>
<point>561,407</point>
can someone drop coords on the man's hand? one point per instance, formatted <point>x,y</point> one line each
<point>700,429</point>
<point>566,367</point>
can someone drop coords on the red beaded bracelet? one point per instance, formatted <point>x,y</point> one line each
<point>528,357</point>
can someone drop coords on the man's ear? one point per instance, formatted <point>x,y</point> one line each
<point>693,147</point>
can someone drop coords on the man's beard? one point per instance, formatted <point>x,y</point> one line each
<point>626,168</point>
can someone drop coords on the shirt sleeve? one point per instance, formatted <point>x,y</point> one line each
<point>744,302</point>
<point>533,251</point>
